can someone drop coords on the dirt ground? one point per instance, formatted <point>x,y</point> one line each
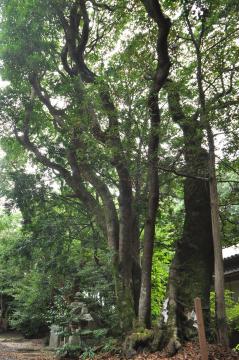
<point>190,351</point>
<point>14,347</point>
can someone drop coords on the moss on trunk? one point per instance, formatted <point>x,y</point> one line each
<point>139,339</point>
<point>192,268</point>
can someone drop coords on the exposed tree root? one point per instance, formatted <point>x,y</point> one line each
<point>138,340</point>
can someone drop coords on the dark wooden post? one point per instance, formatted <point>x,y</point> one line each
<point>201,329</point>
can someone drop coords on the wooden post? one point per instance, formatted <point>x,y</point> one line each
<point>201,329</point>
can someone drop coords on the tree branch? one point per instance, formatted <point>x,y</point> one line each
<point>179,173</point>
<point>73,181</point>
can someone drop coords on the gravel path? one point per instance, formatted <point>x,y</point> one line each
<point>15,347</point>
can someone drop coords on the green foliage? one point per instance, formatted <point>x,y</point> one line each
<point>160,271</point>
<point>59,312</point>
<point>111,345</point>
<point>31,298</point>
<point>88,353</point>
<point>167,232</point>
<point>57,246</point>
<point>236,348</point>
<point>232,310</point>
<point>69,351</point>
<point>98,337</point>
<point>48,249</point>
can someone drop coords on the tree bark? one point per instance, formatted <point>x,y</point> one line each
<point>136,267</point>
<point>205,123</point>
<point>192,267</point>
<point>76,167</point>
<point>221,321</point>
<point>163,23</point>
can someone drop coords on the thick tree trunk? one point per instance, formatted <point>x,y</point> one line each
<point>218,260</point>
<point>192,267</point>
<point>126,297</point>
<point>129,269</point>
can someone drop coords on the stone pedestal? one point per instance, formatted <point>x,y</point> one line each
<point>54,337</point>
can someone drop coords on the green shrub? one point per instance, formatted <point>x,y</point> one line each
<point>69,351</point>
<point>30,305</point>
<point>88,353</point>
<point>236,348</point>
<point>232,311</point>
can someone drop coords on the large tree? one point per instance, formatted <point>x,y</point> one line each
<point>200,95</point>
<point>71,109</point>
<point>86,100</point>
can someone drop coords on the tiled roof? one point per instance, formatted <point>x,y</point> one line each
<point>231,260</point>
<point>232,271</point>
<point>230,251</point>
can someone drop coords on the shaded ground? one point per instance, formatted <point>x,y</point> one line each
<point>14,347</point>
<point>189,352</point>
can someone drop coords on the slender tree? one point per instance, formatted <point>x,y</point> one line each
<point>160,76</point>
<point>221,320</point>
